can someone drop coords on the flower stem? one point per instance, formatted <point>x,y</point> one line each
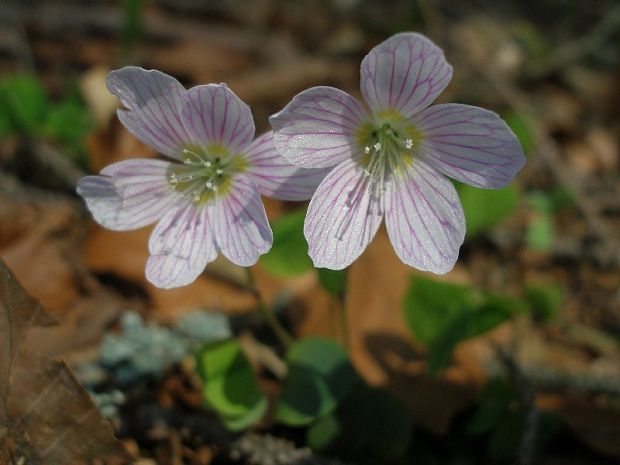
<point>276,327</point>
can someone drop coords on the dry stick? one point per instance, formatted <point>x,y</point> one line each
<point>63,168</point>
<point>22,48</point>
<point>574,50</point>
<point>527,396</point>
<point>550,154</point>
<point>263,355</point>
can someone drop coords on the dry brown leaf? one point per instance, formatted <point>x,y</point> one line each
<point>39,241</point>
<point>46,417</point>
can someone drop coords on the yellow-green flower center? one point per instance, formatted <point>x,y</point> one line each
<point>389,144</point>
<point>206,172</point>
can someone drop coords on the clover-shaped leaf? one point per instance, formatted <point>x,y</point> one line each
<point>230,386</point>
<point>320,375</point>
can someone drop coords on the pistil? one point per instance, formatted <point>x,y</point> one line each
<point>202,175</point>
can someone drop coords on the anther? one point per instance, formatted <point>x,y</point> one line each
<point>408,143</point>
<point>219,171</point>
<point>366,150</point>
<point>377,146</point>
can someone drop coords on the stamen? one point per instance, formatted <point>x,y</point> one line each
<point>366,150</point>
<point>377,147</point>
<point>408,143</point>
<point>203,174</point>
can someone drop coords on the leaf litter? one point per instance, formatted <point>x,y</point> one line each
<point>46,417</point>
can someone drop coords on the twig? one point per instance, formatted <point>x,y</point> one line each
<point>59,164</point>
<point>526,449</point>
<point>22,47</point>
<point>263,355</point>
<point>549,152</point>
<point>573,51</point>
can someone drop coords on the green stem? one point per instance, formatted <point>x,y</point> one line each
<point>278,330</point>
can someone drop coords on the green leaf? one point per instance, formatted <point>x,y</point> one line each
<point>27,103</point>
<point>251,417</point>
<point>492,311</point>
<point>441,349</point>
<point>7,125</point>
<point>69,122</point>
<point>320,375</point>
<point>370,425</point>
<point>540,234</point>
<point>550,202</point>
<point>544,301</point>
<point>430,307</point>
<point>230,386</point>
<point>324,432</point>
<point>333,281</point>
<point>442,314</point>
<point>540,201</point>
<point>505,436</point>
<point>289,254</point>
<point>522,128</point>
<point>494,402</point>
<point>485,208</point>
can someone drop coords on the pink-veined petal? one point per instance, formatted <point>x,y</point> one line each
<point>424,218</point>
<point>469,144</point>
<point>240,224</point>
<point>129,194</point>
<point>213,114</point>
<point>276,177</point>
<point>153,102</point>
<point>343,216</point>
<point>405,73</point>
<point>180,247</point>
<point>317,129</point>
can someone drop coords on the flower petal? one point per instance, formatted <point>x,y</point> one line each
<point>317,129</point>
<point>276,177</point>
<point>424,219</point>
<point>153,101</point>
<point>129,195</point>
<point>343,216</point>
<point>405,73</point>
<point>181,245</point>
<point>240,223</point>
<point>469,144</point>
<point>213,114</point>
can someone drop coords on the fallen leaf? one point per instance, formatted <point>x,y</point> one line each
<point>46,417</point>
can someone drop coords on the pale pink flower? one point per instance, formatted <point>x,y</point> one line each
<point>206,200</point>
<point>390,160</point>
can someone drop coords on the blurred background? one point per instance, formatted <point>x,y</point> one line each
<point>550,241</point>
